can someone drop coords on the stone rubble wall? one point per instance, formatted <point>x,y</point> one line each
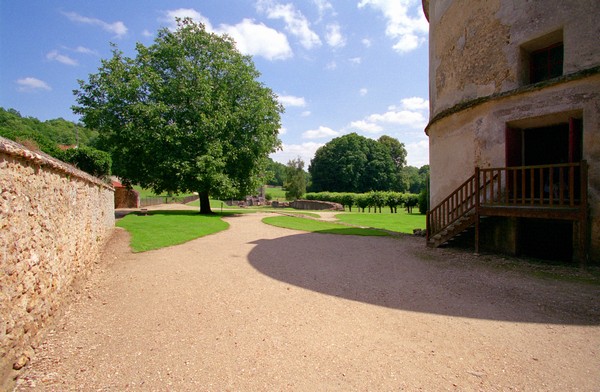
<point>316,205</point>
<point>54,220</point>
<point>126,198</point>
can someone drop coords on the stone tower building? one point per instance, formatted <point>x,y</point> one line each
<point>515,87</point>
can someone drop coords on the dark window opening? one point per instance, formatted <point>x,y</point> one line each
<point>546,63</point>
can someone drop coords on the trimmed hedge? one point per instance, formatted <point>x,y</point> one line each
<point>374,199</point>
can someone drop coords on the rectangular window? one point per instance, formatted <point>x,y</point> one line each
<point>546,63</point>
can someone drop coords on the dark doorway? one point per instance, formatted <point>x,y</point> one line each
<point>546,145</point>
<point>546,239</point>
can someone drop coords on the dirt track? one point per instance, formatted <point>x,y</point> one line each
<point>262,308</point>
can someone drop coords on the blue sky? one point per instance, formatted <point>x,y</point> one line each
<point>338,66</point>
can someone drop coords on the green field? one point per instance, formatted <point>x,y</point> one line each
<point>276,193</point>
<point>315,226</point>
<point>160,229</point>
<point>401,222</point>
<point>150,193</point>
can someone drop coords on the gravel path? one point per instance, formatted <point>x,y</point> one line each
<point>260,308</point>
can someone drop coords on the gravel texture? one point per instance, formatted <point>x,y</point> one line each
<point>261,308</point>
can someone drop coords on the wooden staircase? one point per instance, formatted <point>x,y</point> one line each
<point>547,192</point>
<point>453,230</point>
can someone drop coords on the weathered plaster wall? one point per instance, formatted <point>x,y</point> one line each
<point>476,46</point>
<point>465,56</point>
<point>53,221</point>
<point>475,136</point>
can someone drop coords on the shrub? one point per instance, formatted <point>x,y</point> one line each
<point>348,199</point>
<point>376,199</point>
<point>423,201</point>
<point>393,200</point>
<point>411,200</point>
<point>88,159</point>
<point>362,201</point>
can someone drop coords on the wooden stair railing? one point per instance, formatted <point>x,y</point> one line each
<point>457,211</point>
<point>457,204</point>
<point>551,190</point>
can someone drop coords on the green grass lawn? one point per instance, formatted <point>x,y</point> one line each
<point>314,226</point>
<point>150,193</point>
<point>401,222</point>
<point>276,193</point>
<point>160,229</point>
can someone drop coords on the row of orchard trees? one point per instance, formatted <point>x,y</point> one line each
<point>374,199</point>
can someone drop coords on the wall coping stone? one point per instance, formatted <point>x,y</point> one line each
<point>15,149</point>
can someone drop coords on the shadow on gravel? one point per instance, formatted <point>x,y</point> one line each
<point>402,274</point>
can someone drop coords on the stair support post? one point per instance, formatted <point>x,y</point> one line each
<point>477,204</point>
<point>582,252</point>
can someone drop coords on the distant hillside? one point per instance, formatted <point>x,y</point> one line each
<point>46,134</point>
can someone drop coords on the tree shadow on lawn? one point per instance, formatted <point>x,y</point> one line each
<point>403,274</point>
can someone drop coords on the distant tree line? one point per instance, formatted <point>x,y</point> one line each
<point>48,136</point>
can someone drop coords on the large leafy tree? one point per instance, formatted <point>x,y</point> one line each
<point>351,163</point>
<point>187,114</point>
<point>295,179</point>
<point>398,154</point>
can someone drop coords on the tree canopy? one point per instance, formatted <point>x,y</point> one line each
<point>295,179</point>
<point>275,173</point>
<point>46,134</point>
<point>351,163</point>
<point>187,114</point>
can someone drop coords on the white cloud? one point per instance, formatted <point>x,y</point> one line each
<point>84,50</point>
<point>61,58</point>
<point>118,28</point>
<point>295,22</point>
<point>402,117</point>
<point>251,38</point>
<point>305,113</point>
<point>331,66</point>
<point>417,153</point>
<point>323,6</point>
<point>282,131</point>
<point>366,42</point>
<point>306,151</point>
<point>408,31</point>
<point>147,33</point>
<point>256,39</point>
<point>363,91</point>
<point>31,84</point>
<point>290,100</point>
<point>415,103</point>
<point>366,126</point>
<point>355,60</point>
<point>334,36</point>
<point>320,133</point>
<point>411,115</point>
<point>407,42</point>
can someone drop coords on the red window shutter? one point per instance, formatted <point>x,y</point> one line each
<point>514,146</point>
<point>575,139</point>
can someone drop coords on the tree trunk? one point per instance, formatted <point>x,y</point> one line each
<point>204,203</point>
